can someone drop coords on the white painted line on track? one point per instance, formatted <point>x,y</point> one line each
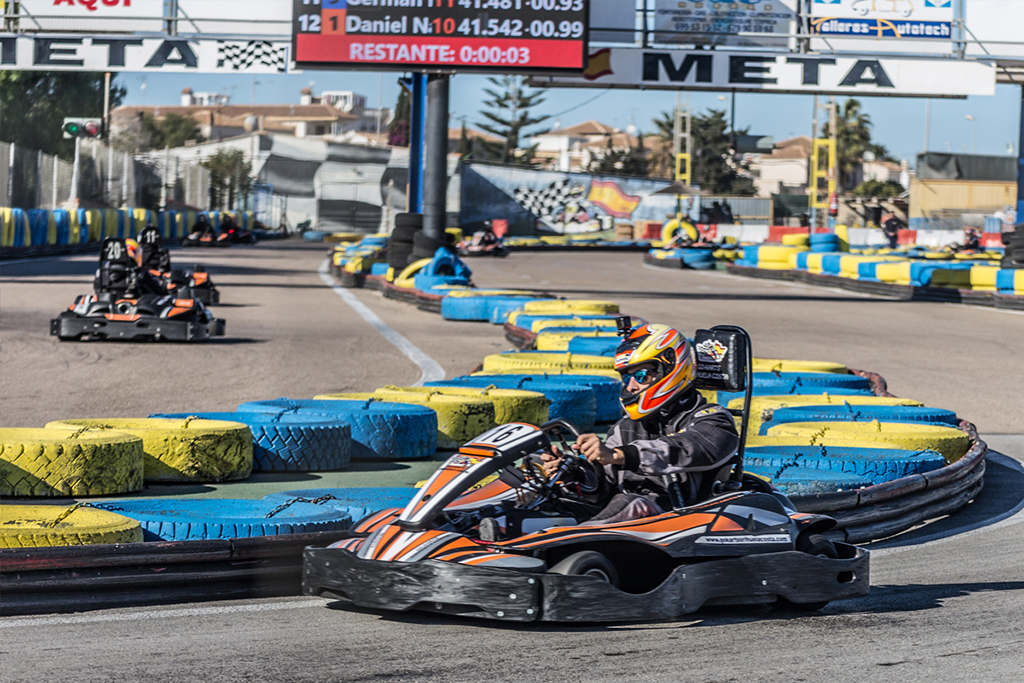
<point>76,619</point>
<point>798,285</point>
<point>987,308</point>
<point>1009,518</point>
<point>431,370</point>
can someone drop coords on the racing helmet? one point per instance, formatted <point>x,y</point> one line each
<point>134,251</point>
<point>668,358</point>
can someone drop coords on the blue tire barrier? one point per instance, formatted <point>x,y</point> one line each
<point>801,260</point>
<point>313,236</point>
<point>877,464</point>
<point>696,256</point>
<point>826,242</point>
<point>291,442</point>
<point>794,382</point>
<point>356,503</point>
<point>860,413</point>
<point>526,321</point>
<point>573,402</point>
<point>380,430</point>
<point>830,263</point>
<point>479,307</point>
<point>802,481</point>
<point>607,407</point>
<point>749,252</point>
<point>725,396</point>
<point>193,519</point>
<point>379,269</point>
<point>593,346</point>
<point>426,283</point>
<point>500,307</point>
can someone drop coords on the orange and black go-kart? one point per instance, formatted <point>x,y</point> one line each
<point>482,243</point>
<point>147,317</point>
<point>183,283</point>
<point>203,238</point>
<point>236,236</point>
<point>513,549</point>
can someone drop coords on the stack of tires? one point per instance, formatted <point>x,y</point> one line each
<point>409,243</point>
<point>1014,243</point>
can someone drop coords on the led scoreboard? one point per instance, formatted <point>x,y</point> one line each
<point>458,35</point>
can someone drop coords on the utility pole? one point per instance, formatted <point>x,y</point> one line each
<point>435,176</point>
<point>106,106</point>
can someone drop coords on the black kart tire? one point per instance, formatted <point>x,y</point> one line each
<point>588,563</point>
<point>817,545</point>
<point>422,239</point>
<point>402,235</point>
<point>398,255</point>
<point>1005,238</point>
<point>409,220</point>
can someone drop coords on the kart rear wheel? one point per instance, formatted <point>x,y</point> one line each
<point>588,563</point>
<point>817,545</point>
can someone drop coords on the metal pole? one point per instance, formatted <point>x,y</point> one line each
<point>73,197</point>
<point>927,122</point>
<point>419,114</point>
<point>110,173</point>
<point>1020,164</point>
<point>39,179</point>
<point>124,181</point>
<point>163,178</point>
<point>106,106</point>
<point>813,194</point>
<point>56,170</point>
<point>435,176</point>
<point>380,85</point>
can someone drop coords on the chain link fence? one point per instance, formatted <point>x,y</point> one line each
<point>100,176</point>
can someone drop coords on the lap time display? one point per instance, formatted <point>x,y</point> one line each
<point>458,35</point>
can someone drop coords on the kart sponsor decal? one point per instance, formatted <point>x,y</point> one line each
<point>743,540</point>
<point>706,411</point>
<point>711,351</point>
<point>464,461</point>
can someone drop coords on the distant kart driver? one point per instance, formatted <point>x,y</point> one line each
<point>669,429</point>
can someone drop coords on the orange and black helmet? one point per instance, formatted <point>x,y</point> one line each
<point>661,360</point>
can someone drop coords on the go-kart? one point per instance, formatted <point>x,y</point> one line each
<point>183,283</point>
<point>236,236</point>
<point>482,243</point>
<point>150,316</point>
<point>513,549</point>
<point>133,303</point>
<point>203,238</point>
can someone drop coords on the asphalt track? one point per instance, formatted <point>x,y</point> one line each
<point>946,600</point>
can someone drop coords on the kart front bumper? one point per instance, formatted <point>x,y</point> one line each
<point>146,327</point>
<point>510,595</point>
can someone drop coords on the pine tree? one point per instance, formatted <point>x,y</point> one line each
<point>508,116</point>
<point>711,163</point>
<point>398,129</point>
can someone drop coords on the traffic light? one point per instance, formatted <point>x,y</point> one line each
<point>82,128</point>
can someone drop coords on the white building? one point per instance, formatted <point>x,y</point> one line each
<point>784,171</point>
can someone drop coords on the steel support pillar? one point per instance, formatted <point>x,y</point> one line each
<point>435,176</point>
<point>418,111</point>
<point>1020,164</point>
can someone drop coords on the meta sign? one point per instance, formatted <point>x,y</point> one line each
<point>512,36</point>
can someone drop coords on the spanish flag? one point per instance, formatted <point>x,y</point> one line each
<point>605,194</point>
<point>599,64</point>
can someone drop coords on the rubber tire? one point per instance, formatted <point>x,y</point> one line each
<point>761,406</point>
<point>425,241</point>
<point>588,563</point>
<point>607,406</point>
<point>818,545</point>
<point>478,307</point>
<point>864,413</point>
<point>409,220</point>
<point>459,418</point>
<point>572,402</point>
<point>183,450</point>
<point>380,430</point>
<point>525,362</point>
<point>32,526</point>
<point>356,502</point>
<point>877,464</point>
<point>951,443</point>
<point>398,255</point>
<point>561,306</point>
<point>195,519</point>
<point>776,365</point>
<point>290,443</point>
<point>49,463</point>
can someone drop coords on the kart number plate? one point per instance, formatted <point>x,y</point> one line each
<point>506,435</point>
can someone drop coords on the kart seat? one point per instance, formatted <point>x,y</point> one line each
<point>115,271</point>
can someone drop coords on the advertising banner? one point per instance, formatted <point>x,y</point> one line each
<point>747,23</point>
<point>511,36</point>
<point>902,19</point>
<point>100,16</point>
<point>785,73</point>
<point>70,52</point>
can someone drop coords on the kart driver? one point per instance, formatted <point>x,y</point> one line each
<point>669,429</point>
<point>203,226</point>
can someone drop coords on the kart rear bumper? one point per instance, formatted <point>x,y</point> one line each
<point>147,327</point>
<point>208,295</point>
<point>510,595</point>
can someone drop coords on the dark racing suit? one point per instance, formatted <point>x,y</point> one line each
<point>691,437</point>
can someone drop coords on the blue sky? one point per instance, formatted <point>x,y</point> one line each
<point>898,122</point>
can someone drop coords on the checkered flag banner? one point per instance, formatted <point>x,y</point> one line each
<point>544,203</point>
<point>244,56</point>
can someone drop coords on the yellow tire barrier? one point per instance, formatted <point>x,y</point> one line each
<point>182,450</point>
<point>775,365</point>
<point>983,278</point>
<point>671,227</point>
<point>776,254</point>
<point>951,443</point>
<point>405,278</point>
<point>762,407</point>
<point>37,526</point>
<point>510,405</point>
<point>344,237</point>
<point>491,292</point>
<point>459,418</point>
<point>44,462</point>
<point>559,341</point>
<point>797,239</point>
<point>576,306</point>
<point>544,362</point>
<point>540,325</point>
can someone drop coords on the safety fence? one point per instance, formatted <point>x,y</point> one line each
<point>28,228</point>
<point>99,175</point>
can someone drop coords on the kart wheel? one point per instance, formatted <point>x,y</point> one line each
<point>817,545</point>
<point>588,563</point>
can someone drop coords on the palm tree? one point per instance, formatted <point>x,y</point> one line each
<point>853,139</point>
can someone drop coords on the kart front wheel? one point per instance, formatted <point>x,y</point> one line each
<point>817,545</point>
<point>588,563</point>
